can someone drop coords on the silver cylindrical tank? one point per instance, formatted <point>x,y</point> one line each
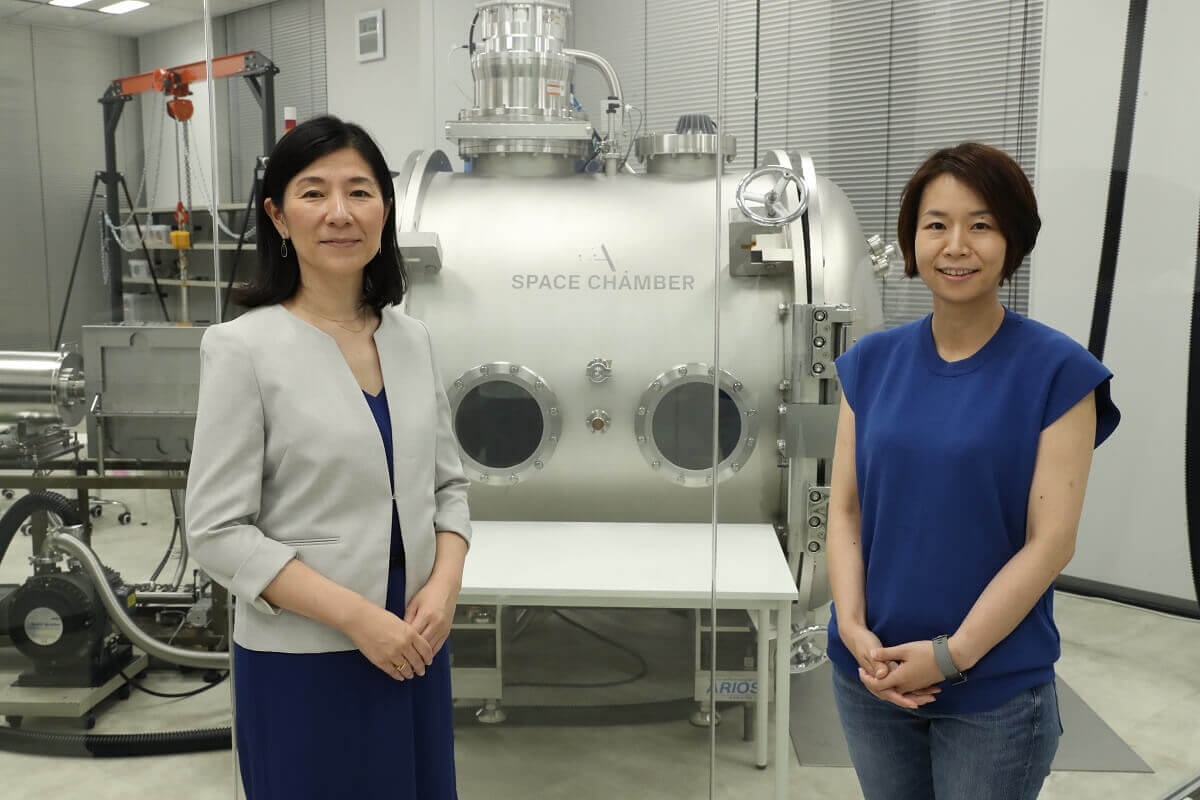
<point>42,387</point>
<point>523,74</point>
<point>573,326</point>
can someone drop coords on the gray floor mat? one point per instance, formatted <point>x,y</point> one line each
<point>1087,745</point>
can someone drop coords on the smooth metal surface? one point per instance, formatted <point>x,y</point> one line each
<point>653,145</point>
<point>622,267</point>
<point>523,75</point>
<point>148,380</point>
<point>489,129</point>
<point>66,543</point>
<point>43,388</point>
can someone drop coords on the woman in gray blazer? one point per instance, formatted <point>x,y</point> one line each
<point>326,492</point>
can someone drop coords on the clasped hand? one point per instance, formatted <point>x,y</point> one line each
<point>403,648</point>
<point>905,675</point>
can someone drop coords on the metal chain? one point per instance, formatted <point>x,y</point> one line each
<point>187,172</point>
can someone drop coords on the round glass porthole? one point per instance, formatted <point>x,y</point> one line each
<point>674,424</point>
<point>506,421</point>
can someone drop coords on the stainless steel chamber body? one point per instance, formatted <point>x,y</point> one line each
<point>544,280</point>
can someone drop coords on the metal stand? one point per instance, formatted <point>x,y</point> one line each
<point>491,713</point>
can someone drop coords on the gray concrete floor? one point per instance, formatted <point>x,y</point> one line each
<point>1138,670</point>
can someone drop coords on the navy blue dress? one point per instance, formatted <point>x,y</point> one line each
<point>333,725</point>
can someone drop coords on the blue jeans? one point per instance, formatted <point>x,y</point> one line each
<point>1002,754</point>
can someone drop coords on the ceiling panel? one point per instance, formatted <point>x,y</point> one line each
<point>159,15</point>
<point>146,20</point>
<point>10,7</point>
<point>54,16</point>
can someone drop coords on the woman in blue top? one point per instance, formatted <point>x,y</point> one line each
<point>963,450</point>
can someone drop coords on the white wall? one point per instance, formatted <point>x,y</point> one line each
<point>392,98</point>
<point>1134,528</point>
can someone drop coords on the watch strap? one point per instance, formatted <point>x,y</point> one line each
<point>941,652</point>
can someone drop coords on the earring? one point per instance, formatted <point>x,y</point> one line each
<point>283,251</point>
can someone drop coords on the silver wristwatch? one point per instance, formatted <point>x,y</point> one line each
<point>941,652</point>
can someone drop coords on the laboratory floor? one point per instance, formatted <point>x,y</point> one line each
<point>1140,671</point>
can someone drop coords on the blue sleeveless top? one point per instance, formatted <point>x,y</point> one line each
<point>379,409</point>
<point>945,455</point>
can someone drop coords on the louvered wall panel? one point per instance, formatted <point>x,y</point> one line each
<point>871,87</point>
<point>24,304</point>
<point>292,34</point>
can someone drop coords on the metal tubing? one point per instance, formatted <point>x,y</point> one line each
<point>73,547</point>
<point>165,598</point>
<point>601,64</point>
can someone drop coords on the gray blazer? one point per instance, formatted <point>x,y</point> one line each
<point>287,462</point>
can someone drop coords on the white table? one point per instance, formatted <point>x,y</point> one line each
<point>647,565</point>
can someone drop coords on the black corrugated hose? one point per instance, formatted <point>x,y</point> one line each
<point>93,745</point>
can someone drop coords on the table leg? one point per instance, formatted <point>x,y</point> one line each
<point>764,684</point>
<point>783,700</point>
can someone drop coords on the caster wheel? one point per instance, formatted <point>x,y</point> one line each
<point>14,721</point>
<point>97,511</point>
<point>89,722</point>
<point>124,692</point>
<point>8,493</point>
<point>123,518</point>
<point>26,529</point>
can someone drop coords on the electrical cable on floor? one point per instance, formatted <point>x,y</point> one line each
<point>643,669</point>
<point>173,695</point>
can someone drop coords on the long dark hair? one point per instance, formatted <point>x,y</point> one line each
<point>384,278</point>
<point>997,178</point>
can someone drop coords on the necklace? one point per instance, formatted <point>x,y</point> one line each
<point>362,314</point>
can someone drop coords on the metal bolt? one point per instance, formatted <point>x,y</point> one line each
<point>708,479</point>
<point>814,547</point>
<point>484,478</point>
<point>682,479</point>
<point>655,464</point>
<point>712,371</point>
<point>538,465</point>
<point>554,437</point>
<point>750,442</point>
<point>737,467</point>
<point>783,409</point>
<point>820,316</point>
<point>458,384</point>
<point>814,522</point>
<point>514,369</point>
<point>656,386</point>
<point>641,440</point>
<point>785,385</point>
<point>818,368</point>
<point>641,411</point>
<point>737,386</point>
<point>553,411</point>
<point>751,412</point>
<point>539,385</point>
<point>483,370</point>
<point>683,370</point>
<point>814,496</point>
<point>514,478</point>
<point>781,446</point>
<point>782,309</point>
<point>819,341</point>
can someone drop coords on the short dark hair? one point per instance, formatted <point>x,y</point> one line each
<point>997,178</point>
<point>384,278</point>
